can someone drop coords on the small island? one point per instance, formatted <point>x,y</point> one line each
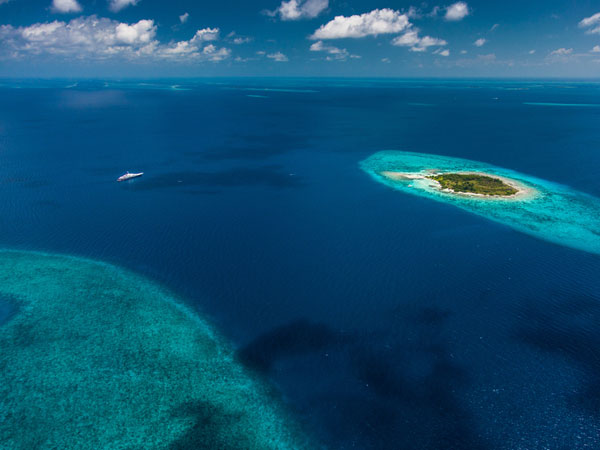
<point>528,204</point>
<point>473,183</point>
<point>476,184</point>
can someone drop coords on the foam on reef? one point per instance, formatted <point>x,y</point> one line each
<point>552,212</point>
<point>97,357</point>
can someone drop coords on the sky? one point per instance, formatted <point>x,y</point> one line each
<point>304,38</point>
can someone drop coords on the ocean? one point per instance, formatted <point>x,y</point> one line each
<point>380,320</point>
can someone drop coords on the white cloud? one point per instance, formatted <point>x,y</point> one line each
<point>299,9</point>
<point>463,52</point>
<point>428,41</point>
<point>138,33</point>
<point>241,40</point>
<point>441,52</point>
<point>385,60</point>
<point>408,39</point>
<point>589,21</point>
<point>278,56</point>
<point>333,53</point>
<point>562,51</point>
<point>96,38</point>
<point>596,49</point>
<point>320,47</point>
<point>184,17</point>
<point>118,5</point>
<point>216,54</point>
<point>592,23</point>
<point>531,52</point>
<point>206,34</point>
<point>4,1</point>
<point>238,40</point>
<point>378,21</point>
<point>66,6</point>
<point>480,42</point>
<point>457,11</point>
<point>496,25</point>
<point>417,44</point>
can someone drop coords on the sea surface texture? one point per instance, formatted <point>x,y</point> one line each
<point>551,211</point>
<point>319,304</point>
<point>98,357</point>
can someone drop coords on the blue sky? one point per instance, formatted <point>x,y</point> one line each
<point>157,38</point>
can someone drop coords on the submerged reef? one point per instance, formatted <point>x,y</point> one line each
<point>97,357</point>
<point>541,208</point>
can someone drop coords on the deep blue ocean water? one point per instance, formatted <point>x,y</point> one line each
<point>386,321</point>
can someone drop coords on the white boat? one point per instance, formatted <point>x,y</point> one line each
<point>129,176</point>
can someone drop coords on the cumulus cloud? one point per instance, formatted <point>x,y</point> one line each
<point>184,17</point>
<point>416,43</point>
<point>118,5</point>
<point>66,6</point>
<point>457,11</point>
<point>277,56</point>
<point>299,9</point>
<point>480,42</point>
<point>93,37</point>
<point>206,34</point>
<point>320,47</point>
<point>216,54</point>
<point>592,24</point>
<point>333,53</point>
<point>596,49</point>
<point>378,21</point>
<point>589,21</point>
<point>141,32</point>
<point>441,52</point>
<point>562,51</point>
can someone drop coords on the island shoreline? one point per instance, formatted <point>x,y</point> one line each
<point>523,191</point>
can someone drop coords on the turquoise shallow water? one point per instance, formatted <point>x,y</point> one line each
<point>555,213</point>
<point>97,357</point>
<point>386,321</point>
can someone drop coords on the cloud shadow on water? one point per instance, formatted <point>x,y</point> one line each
<point>255,147</point>
<point>568,326</point>
<point>269,176</point>
<point>8,308</point>
<point>385,391</point>
<point>299,337</point>
<point>211,429</point>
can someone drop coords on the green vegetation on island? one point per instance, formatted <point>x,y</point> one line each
<point>474,184</point>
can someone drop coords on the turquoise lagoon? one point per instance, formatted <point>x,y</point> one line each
<point>95,357</point>
<point>552,212</point>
